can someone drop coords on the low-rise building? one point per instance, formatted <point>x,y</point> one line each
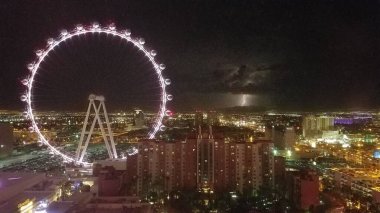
<point>303,189</point>
<point>24,192</point>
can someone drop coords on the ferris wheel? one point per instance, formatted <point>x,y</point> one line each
<point>81,31</point>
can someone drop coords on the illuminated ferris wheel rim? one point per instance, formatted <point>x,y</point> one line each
<point>82,30</point>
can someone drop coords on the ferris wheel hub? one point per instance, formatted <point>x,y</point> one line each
<point>96,97</point>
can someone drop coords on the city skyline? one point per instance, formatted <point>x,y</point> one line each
<point>228,162</point>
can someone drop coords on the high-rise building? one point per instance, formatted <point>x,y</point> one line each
<point>276,135</point>
<point>279,173</point>
<point>6,140</point>
<point>202,162</point>
<point>313,125</point>
<point>163,166</point>
<point>131,179</point>
<point>138,118</point>
<point>205,159</point>
<point>243,165</point>
<point>290,137</point>
<point>325,122</point>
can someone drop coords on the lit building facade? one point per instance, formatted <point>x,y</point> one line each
<point>314,125</point>
<point>205,159</point>
<point>203,162</point>
<point>163,166</point>
<point>243,166</point>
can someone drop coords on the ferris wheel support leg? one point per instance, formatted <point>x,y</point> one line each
<point>84,149</point>
<point>98,114</point>
<point>85,123</point>
<point>110,134</point>
<point>105,138</point>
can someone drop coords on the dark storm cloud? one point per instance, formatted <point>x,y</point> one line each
<point>241,79</point>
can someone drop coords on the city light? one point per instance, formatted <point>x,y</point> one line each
<point>270,107</point>
<point>289,153</point>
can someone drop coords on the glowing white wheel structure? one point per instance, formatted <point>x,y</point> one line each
<point>81,30</point>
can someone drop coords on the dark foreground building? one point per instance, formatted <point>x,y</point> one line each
<point>6,140</point>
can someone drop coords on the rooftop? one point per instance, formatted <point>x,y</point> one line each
<point>9,179</point>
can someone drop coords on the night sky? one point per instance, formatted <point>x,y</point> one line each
<point>309,55</point>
